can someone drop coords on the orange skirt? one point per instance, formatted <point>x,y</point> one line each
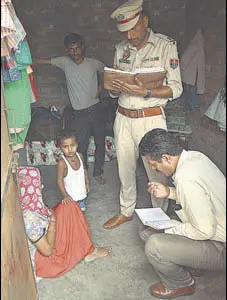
<point>73,242</point>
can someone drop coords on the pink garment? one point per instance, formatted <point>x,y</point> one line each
<point>30,191</point>
<point>192,63</point>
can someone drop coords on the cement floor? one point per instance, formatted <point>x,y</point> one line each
<point>126,274</point>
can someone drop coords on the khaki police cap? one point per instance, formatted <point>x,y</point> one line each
<point>127,15</point>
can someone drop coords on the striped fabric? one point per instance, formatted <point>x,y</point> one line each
<point>12,31</point>
<point>7,25</point>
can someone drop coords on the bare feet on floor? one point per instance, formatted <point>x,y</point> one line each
<point>97,253</point>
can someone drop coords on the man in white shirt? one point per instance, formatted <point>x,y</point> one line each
<point>139,109</point>
<point>198,241</point>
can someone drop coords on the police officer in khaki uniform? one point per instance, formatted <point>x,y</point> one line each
<point>140,110</point>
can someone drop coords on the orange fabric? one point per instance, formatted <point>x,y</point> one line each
<point>73,242</point>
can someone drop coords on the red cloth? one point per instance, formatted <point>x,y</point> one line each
<point>73,242</point>
<point>33,83</point>
<point>29,182</point>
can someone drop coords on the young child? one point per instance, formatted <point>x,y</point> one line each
<point>72,177</point>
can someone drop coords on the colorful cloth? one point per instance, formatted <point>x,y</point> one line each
<point>35,95</point>
<point>18,101</point>
<point>20,34</point>
<point>7,27</point>
<point>35,228</point>
<point>12,31</point>
<point>35,212</point>
<point>30,191</point>
<point>48,153</point>
<point>10,71</point>
<point>23,58</point>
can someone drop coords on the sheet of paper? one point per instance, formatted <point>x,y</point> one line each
<point>118,71</point>
<point>155,218</point>
<point>137,71</point>
<point>163,224</point>
<point>151,214</point>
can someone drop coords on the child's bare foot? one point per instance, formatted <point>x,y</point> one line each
<point>97,253</point>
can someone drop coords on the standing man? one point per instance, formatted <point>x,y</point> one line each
<point>199,241</point>
<point>81,75</point>
<point>140,110</point>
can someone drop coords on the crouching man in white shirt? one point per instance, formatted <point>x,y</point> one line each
<point>198,241</point>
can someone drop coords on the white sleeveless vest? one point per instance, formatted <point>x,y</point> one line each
<point>74,181</point>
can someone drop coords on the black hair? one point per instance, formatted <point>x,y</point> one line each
<point>63,135</point>
<point>157,142</point>
<point>72,39</point>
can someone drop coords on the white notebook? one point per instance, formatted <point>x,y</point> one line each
<point>155,218</point>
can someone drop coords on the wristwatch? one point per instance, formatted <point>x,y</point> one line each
<point>148,95</point>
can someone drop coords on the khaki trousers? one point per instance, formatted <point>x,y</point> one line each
<point>170,253</point>
<point>128,133</point>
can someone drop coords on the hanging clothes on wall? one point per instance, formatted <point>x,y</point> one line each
<point>24,60</point>
<point>192,65</point>
<point>18,100</point>
<point>20,91</point>
<point>9,69</point>
<point>12,31</point>
<point>217,110</point>
<point>23,56</point>
<point>7,28</point>
<point>35,95</point>
<point>18,95</point>
<point>34,92</point>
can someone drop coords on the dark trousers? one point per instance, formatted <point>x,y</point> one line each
<point>190,97</point>
<point>87,122</point>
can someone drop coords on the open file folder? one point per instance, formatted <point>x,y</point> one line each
<point>150,77</point>
<point>155,218</point>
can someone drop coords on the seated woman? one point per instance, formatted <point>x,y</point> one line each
<point>59,238</point>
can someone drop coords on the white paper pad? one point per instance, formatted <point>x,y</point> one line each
<point>155,218</point>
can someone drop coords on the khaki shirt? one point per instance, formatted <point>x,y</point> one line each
<point>201,191</point>
<point>159,51</point>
